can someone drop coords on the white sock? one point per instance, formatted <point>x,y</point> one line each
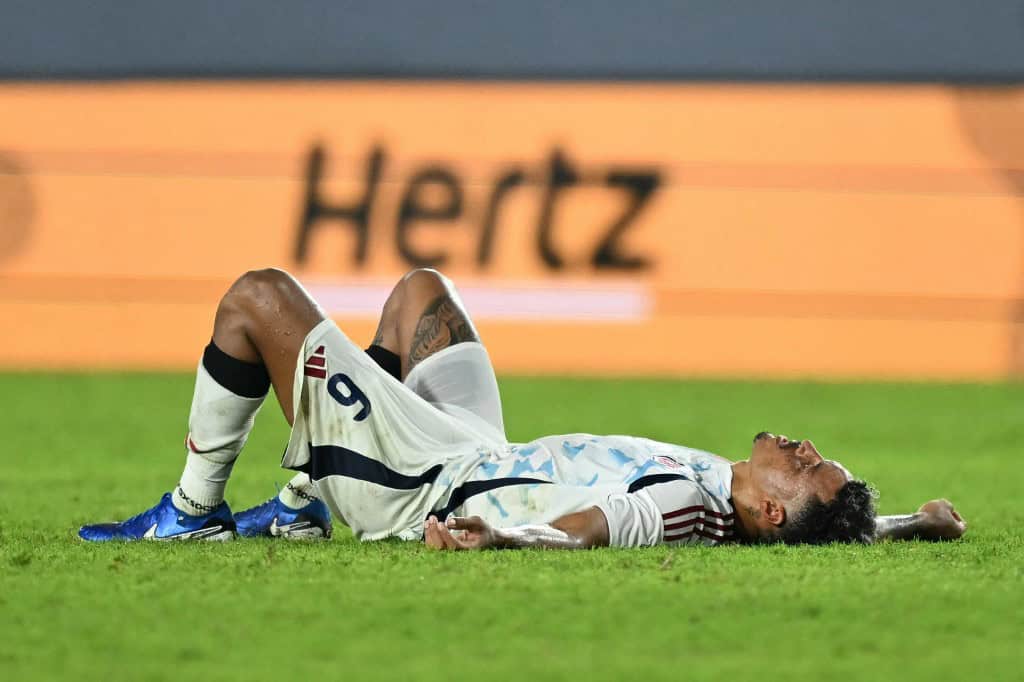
<point>219,425</point>
<point>298,492</point>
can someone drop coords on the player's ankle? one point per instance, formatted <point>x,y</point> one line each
<point>297,497</point>
<point>194,504</point>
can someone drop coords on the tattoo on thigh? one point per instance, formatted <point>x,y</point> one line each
<point>441,325</point>
<point>378,338</point>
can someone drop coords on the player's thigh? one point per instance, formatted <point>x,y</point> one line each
<point>422,316</point>
<point>272,312</point>
<point>433,318</point>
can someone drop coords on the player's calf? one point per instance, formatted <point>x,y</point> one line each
<point>261,323</point>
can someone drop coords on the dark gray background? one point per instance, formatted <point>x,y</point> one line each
<point>925,40</point>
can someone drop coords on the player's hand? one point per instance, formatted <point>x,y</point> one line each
<point>941,521</point>
<point>473,533</point>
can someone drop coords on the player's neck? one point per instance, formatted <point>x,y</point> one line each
<point>743,503</point>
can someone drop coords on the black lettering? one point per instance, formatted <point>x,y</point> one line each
<point>560,176</point>
<point>505,183</point>
<point>413,210</point>
<point>316,211</point>
<point>640,186</point>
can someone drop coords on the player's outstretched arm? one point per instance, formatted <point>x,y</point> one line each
<point>581,530</point>
<point>935,520</point>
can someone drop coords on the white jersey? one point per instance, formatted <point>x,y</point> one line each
<point>384,459</point>
<point>650,492</point>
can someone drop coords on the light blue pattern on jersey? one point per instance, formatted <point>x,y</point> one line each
<point>497,505</point>
<point>619,456</point>
<point>572,450</point>
<point>642,470</point>
<point>588,461</point>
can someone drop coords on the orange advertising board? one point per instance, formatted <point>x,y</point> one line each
<point>594,228</point>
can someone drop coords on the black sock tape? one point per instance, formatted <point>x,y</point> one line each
<point>247,379</point>
<point>388,361</point>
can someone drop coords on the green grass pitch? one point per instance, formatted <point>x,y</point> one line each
<point>93,447</point>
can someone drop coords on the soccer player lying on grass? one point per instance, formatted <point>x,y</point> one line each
<point>410,432</point>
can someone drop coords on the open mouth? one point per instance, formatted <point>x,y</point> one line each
<point>781,441</point>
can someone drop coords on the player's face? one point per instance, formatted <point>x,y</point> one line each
<point>793,469</point>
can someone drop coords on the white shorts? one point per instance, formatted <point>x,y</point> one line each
<point>460,381</point>
<point>380,455</point>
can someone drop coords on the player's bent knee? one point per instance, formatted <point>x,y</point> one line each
<point>254,293</point>
<point>263,286</point>
<point>425,277</point>
<point>424,283</point>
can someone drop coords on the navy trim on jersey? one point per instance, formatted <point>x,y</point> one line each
<point>334,460</point>
<point>645,481</point>
<point>471,488</point>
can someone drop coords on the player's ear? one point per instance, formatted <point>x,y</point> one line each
<point>773,511</point>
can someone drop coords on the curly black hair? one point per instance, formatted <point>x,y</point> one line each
<point>850,517</point>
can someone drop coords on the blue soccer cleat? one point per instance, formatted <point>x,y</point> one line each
<point>274,518</point>
<point>165,522</point>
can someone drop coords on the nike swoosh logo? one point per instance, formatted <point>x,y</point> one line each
<point>192,535</point>
<point>277,530</point>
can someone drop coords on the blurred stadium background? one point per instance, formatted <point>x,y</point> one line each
<point>666,188</point>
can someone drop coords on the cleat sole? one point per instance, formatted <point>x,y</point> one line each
<point>314,533</point>
<point>302,530</point>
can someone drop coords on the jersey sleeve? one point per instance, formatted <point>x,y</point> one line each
<point>675,512</point>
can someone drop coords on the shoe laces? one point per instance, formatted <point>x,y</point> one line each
<point>264,507</point>
<point>141,515</point>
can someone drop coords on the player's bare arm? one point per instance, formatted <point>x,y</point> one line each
<point>935,520</point>
<point>582,530</point>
